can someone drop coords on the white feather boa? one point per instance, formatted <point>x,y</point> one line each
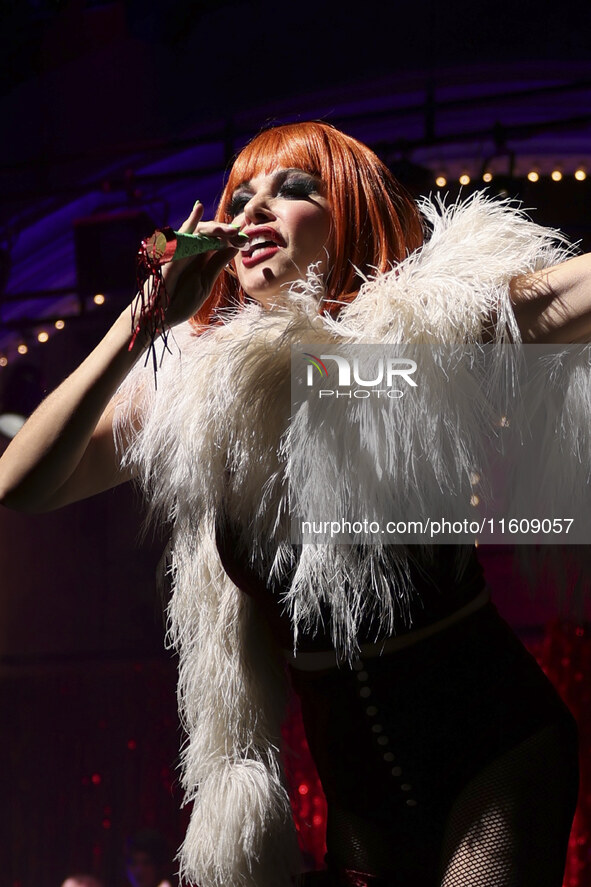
<point>213,440</point>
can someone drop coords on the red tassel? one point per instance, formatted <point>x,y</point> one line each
<point>150,305</point>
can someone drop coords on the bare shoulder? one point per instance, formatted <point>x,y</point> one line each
<point>554,304</point>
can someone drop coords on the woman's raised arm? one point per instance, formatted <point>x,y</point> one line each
<point>65,451</point>
<point>554,305</point>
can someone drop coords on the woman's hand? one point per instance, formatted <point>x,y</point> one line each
<point>189,281</point>
<point>66,451</point>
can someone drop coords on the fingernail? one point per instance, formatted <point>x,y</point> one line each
<point>235,225</point>
<point>196,204</point>
<point>242,234</point>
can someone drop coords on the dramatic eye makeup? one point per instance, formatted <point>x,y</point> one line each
<point>238,201</point>
<point>292,184</point>
<point>298,184</point>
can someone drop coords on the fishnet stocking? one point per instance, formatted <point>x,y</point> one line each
<point>508,827</point>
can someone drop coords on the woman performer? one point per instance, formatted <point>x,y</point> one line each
<point>446,756</point>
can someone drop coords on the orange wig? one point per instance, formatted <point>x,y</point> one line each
<point>375,222</point>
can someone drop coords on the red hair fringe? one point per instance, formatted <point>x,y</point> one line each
<point>375,222</point>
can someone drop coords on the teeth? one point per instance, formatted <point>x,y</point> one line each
<point>257,240</point>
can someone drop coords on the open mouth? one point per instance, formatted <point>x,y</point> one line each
<point>257,244</point>
<point>262,244</point>
<point>259,254</point>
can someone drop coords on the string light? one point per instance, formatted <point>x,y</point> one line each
<point>99,299</point>
<point>557,175</point>
<point>59,324</point>
<point>22,348</point>
<point>3,361</point>
<point>43,336</point>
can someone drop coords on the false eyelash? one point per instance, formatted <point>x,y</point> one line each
<point>303,185</point>
<point>299,185</point>
<point>236,204</point>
